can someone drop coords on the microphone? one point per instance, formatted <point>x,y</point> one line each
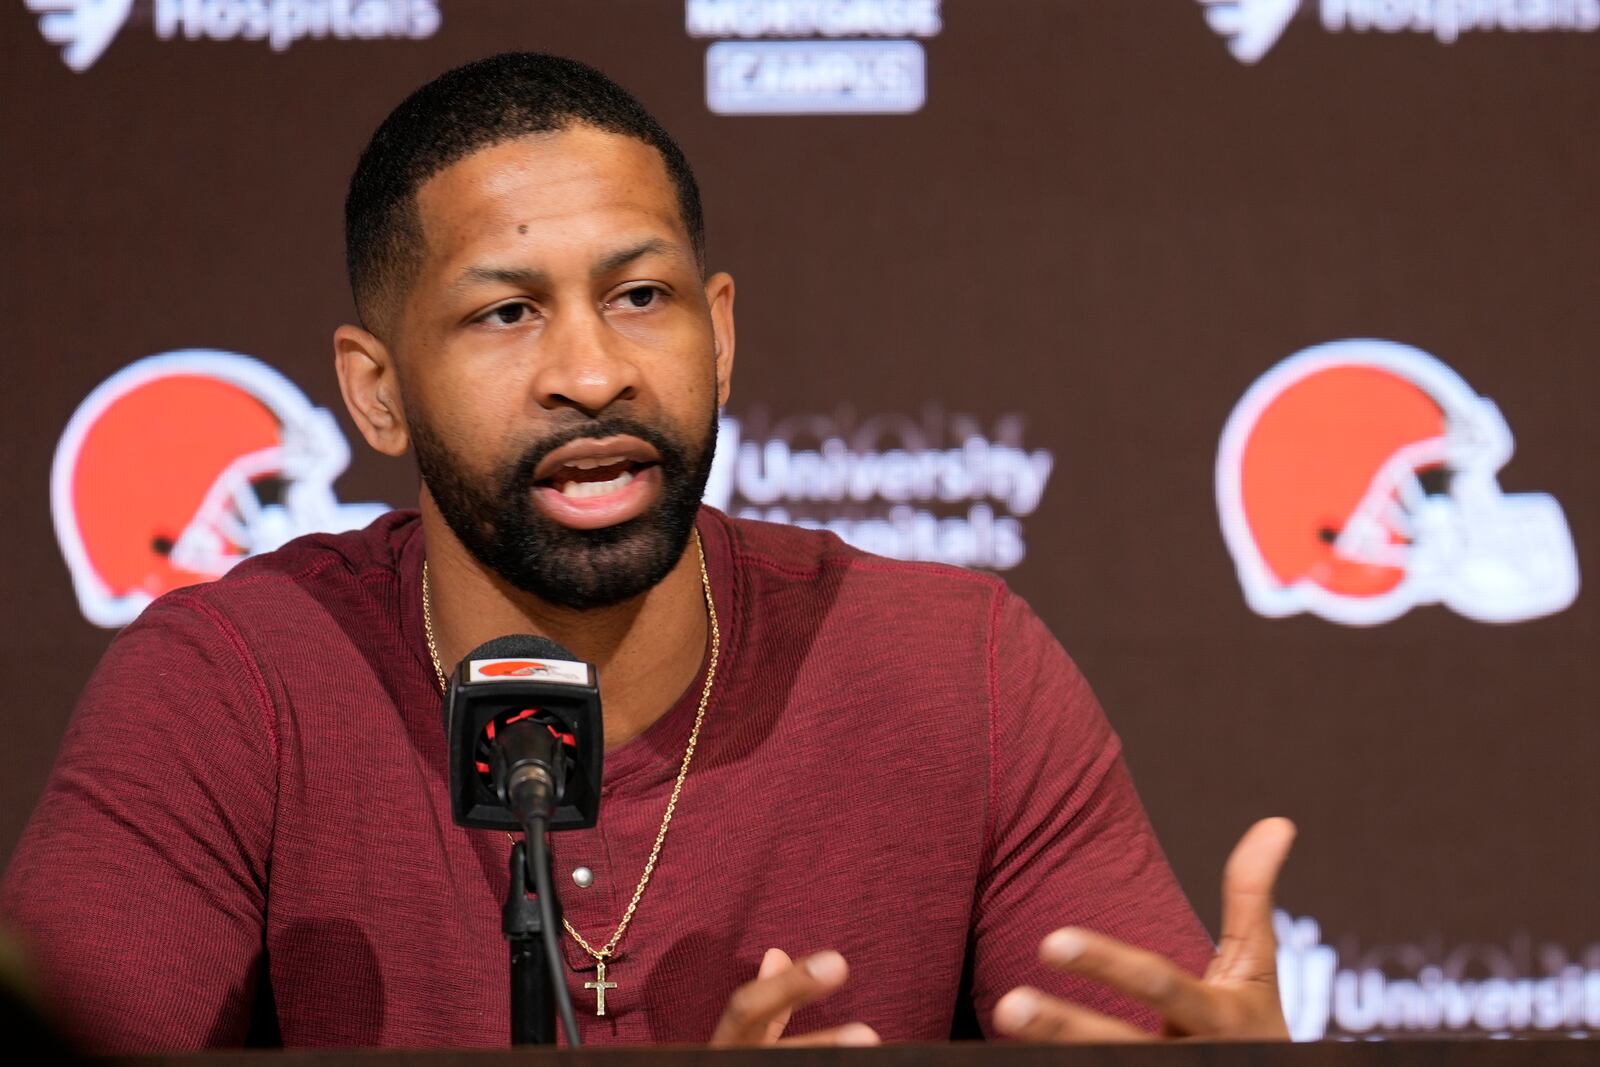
<point>523,719</point>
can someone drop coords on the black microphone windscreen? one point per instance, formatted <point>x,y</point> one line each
<point>503,678</point>
<point>520,646</point>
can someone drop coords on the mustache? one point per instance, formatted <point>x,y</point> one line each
<point>668,447</point>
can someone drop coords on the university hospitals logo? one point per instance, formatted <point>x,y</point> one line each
<point>941,487</point>
<point>1358,479</point>
<point>85,28</point>
<point>1252,27</point>
<point>1466,989</point>
<point>179,466</point>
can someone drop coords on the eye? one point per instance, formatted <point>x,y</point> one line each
<point>638,298</point>
<point>507,315</point>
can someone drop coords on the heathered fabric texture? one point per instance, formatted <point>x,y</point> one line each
<point>898,761</point>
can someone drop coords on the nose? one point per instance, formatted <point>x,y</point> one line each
<point>581,365</point>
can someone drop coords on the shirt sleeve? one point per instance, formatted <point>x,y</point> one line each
<point>139,885</point>
<point>1068,843</point>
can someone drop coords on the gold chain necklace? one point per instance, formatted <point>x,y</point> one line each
<point>608,951</point>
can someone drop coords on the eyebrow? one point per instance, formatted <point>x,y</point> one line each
<point>517,276</point>
<point>620,259</point>
<point>527,278</point>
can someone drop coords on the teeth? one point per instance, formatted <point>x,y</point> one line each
<point>580,490</point>
<point>595,461</point>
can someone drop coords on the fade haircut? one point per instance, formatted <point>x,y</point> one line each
<point>461,112</point>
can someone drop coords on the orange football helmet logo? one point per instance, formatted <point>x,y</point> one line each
<point>1357,479</point>
<point>179,466</point>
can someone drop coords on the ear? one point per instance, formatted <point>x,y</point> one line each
<point>370,383</point>
<point>719,297</point>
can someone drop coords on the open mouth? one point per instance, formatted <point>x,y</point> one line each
<point>585,477</point>
<point>596,482</point>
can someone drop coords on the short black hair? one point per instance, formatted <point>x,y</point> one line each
<point>473,107</point>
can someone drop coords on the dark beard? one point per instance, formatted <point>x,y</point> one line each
<point>498,522</point>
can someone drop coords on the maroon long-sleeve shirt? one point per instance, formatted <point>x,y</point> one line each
<point>897,761</point>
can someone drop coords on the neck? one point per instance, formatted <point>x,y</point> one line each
<point>648,650</point>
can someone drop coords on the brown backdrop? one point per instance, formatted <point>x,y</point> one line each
<point>1100,221</point>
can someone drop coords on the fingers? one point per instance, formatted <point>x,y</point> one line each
<point>757,1005</point>
<point>1237,998</point>
<point>1184,1001</point>
<point>775,961</point>
<point>1029,1015</point>
<point>1249,949</point>
<point>848,1035</point>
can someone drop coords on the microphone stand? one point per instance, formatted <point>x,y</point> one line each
<point>538,986</point>
<point>533,994</point>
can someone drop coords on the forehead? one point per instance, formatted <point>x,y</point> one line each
<point>573,184</point>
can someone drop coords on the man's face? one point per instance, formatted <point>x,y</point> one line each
<point>557,363</point>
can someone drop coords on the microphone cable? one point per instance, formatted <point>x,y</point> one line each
<point>539,858</point>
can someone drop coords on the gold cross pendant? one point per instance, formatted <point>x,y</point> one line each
<point>600,985</point>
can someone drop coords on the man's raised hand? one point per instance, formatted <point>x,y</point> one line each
<point>1237,998</point>
<point>759,1010</point>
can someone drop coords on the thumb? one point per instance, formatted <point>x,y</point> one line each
<point>1249,947</point>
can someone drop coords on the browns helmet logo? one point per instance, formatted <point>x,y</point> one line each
<point>1358,479</point>
<point>517,668</point>
<point>179,466</point>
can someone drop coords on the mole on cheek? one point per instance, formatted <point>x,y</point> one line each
<point>523,228</point>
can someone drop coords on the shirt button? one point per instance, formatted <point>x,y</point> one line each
<point>584,877</point>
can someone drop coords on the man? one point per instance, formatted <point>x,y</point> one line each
<point>846,799</point>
